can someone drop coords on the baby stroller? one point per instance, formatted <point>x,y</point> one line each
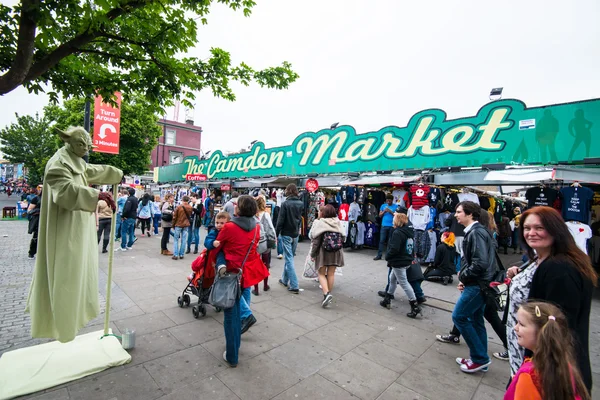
<point>199,284</point>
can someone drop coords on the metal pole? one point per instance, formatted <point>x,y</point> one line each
<point>111,255</point>
<point>86,116</point>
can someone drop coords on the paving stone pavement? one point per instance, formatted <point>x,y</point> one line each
<point>353,350</point>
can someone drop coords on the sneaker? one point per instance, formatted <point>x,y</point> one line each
<point>502,356</point>
<point>104,251</point>
<point>327,300</point>
<point>421,300</point>
<point>225,358</point>
<point>31,257</point>
<point>282,284</point>
<point>294,291</point>
<point>445,280</point>
<point>175,258</point>
<point>377,258</point>
<point>279,256</point>
<point>464,361</point>
<point>129,248</point>
<point>470,367</point>
<point>120,249</point>
<point>448,339</point>
<point>255,292</point>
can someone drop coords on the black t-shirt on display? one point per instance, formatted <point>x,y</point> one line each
<point>537,196</point>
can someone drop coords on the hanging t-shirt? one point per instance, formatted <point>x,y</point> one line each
<point>434,196</point>
<point>432,215</point>
<point>537,196</point>
<point>399,197</point>
<point>354,212</point>
<point>360,195</point>
<point>345,225</point>
<point>350,194</point>
<point>576,203</point>
<point>343,212</point>
<point>419,217</point>
<point>371,213</point>
<point>370,231</point>
<point>468,197</point>
<point>419,197</point>
<point>388,218</point>
<point>360,235</point>
<point>581,233</point>
<point>484,202</point>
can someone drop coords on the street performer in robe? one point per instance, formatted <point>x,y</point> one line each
<point>63,296</point>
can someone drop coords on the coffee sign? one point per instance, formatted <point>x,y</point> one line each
<point>503,131</point>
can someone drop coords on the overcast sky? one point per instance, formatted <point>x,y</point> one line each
<point>375,63</point>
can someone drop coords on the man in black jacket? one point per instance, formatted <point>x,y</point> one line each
<point>478,265</point>
<point>128,218</point>
<point>288,223</point>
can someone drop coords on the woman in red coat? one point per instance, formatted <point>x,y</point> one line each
<point>239,238</point>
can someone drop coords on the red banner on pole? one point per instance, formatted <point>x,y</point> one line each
<point>312,185</point>
<point>107,125</point>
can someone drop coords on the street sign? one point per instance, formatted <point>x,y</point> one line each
<point>195,177</point>
<point>107,125</point>
<point>312,185</point>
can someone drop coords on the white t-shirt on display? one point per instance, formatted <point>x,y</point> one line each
<point>468,197</point>
<point>399,197</point>
<point>581,233</point>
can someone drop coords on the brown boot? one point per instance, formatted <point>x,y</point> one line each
<point>166,253</point>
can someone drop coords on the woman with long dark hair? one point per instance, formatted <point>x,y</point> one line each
<point>564,276</point>
<point>145,214</point>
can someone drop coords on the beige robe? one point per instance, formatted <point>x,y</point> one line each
<point>63,296</point>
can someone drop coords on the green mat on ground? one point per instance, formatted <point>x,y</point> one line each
<point>36,368</point>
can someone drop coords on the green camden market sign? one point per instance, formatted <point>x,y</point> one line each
<point>504,131</point>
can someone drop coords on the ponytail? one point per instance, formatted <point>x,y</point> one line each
<point>554,359</point>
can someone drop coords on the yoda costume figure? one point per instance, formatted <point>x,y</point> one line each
<point>63,296</point>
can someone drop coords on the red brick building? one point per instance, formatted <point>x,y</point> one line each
<point>179,140</point>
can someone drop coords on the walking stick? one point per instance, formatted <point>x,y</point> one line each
<point>111,254</point>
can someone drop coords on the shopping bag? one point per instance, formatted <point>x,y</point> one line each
<point>309,268</point>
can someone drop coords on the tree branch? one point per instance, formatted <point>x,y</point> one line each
<point>25,46</point>
<point>103,53</point>
<point>66,49</point>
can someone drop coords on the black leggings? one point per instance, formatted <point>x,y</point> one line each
<point>104,226</point>
<point>33,244</point>
<point>145,222</point>
<point>165,238</point>
<point>491,315</point>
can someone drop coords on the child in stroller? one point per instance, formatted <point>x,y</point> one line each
<point>201,279</point>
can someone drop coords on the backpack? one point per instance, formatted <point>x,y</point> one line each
<point>262,243</point>
<point>269,231</point>
<point>332,241</point>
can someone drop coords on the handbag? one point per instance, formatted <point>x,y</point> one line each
<point>226,290</point>
<point>309,268</point>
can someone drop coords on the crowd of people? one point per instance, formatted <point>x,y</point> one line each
<point>546,322</point>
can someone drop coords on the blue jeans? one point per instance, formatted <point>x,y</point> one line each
<point>416,285</point>
<point>127,230</point>
<point>468,318</point>
<point>383,238</point>
<point>245,311</point>
<point>179,247</point>
<point>295,245</point>
<point>156,220</point>
<point>118,228</point>
<point>289,272</point>
<point>207,218</point>
<point>193,236</point>
<point>279,246</point>
<point>233,332</point>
